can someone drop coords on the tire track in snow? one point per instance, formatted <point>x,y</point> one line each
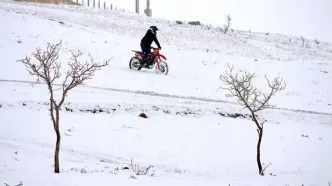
<point>151,93</point>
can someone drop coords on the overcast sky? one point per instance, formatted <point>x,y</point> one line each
<point>309,18</point>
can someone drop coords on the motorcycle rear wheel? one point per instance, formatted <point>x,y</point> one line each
<point>134,63</point>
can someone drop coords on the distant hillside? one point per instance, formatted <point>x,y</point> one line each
<point>202,38</point>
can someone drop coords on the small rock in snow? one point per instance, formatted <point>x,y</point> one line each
<point>143,115</point>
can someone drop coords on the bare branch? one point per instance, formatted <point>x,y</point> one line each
<point>265,168</point>
<point>303,40</point>
<point>262,124</point>
<point>46,68</point>
<point>78,73</point>
<point>240,86</point>
<point>228,24</point>
<point>139,170</point>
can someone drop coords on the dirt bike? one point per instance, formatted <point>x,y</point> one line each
<point>154,60</point>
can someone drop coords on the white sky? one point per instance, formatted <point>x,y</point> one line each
<point>308,18</point>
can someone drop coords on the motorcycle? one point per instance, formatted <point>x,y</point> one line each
<point>155,60</point>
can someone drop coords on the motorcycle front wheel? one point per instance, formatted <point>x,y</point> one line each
<point>163,68</point>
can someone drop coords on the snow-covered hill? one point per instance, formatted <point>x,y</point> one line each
<point>257,45</point>
<point>191,136</point>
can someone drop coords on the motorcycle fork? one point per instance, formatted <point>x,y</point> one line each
<point>158,62</point>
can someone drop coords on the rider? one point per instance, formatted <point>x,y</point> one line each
<point>150,36</point>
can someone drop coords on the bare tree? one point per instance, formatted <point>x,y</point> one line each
<point>241,87</point>
<point>228,23</point>
<point>138,170</point>
<point>47,69</point>
<point>303,40</point>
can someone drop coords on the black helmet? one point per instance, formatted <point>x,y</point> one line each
<point>154,28</point>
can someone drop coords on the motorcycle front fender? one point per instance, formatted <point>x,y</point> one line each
<point>162,56</point>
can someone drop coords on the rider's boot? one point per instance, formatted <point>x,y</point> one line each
<point>142,64</point>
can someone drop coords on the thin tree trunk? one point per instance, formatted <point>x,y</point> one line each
<point>56,155</point>
<point>58,140</point>
<point>260,135</point>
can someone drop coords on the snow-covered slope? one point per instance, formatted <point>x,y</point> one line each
<point>187,142</point>
<point>258,45</point>
<point>192,73</point>
<point>190,136</point>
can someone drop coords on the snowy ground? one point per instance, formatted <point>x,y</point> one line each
<point>187,143</point>
<point>190,136</point>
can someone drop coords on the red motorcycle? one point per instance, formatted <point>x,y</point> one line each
<point>155,60</point>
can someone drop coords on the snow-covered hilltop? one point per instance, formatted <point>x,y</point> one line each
<point>194,133</point>
<point>203,38</point>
